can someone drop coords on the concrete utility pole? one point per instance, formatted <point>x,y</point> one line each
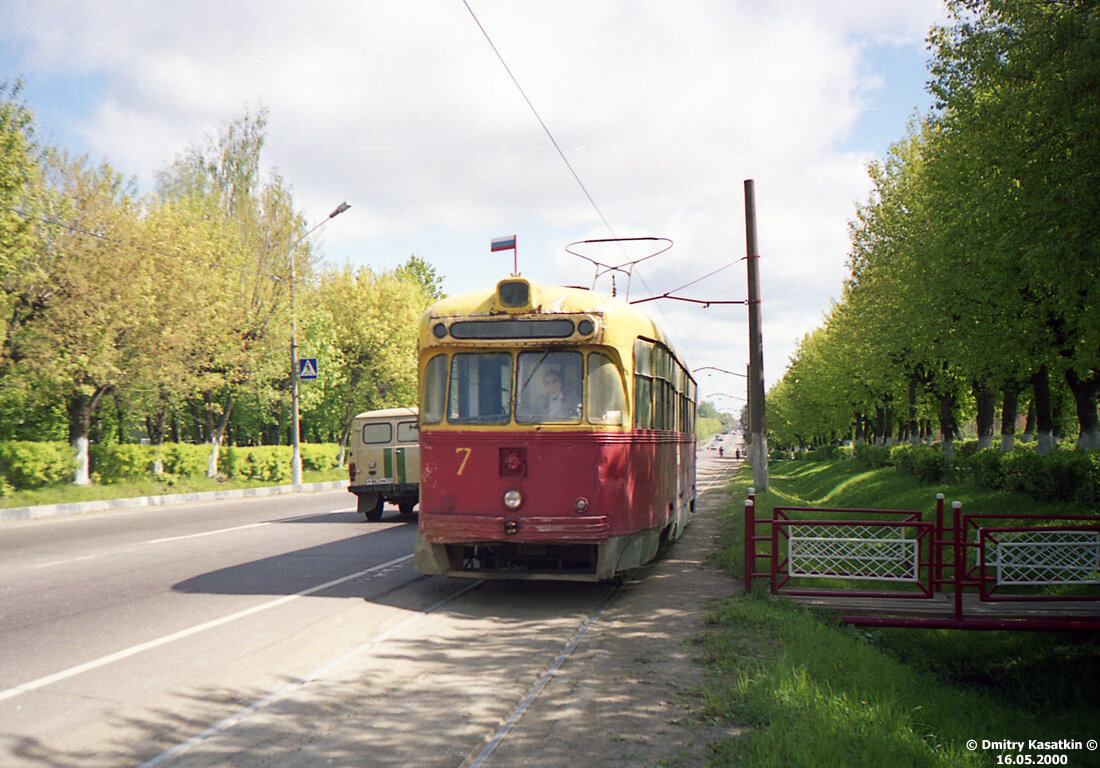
<point>758,445</point>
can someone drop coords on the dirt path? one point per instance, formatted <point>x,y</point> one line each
<point>623,698</point>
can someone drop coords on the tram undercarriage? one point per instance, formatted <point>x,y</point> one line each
<point>523,560</point>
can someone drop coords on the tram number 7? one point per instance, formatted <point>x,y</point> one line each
<point>465,457</point>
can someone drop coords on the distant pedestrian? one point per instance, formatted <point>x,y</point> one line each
<point>721,451</point>
<point>738,452</point>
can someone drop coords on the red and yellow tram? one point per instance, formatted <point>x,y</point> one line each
<point>557,435</point>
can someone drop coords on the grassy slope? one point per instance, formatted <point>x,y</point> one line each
<point>812,692</point>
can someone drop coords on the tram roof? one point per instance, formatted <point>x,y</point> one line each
<point>552,299</point>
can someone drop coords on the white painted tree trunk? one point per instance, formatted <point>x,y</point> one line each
<point>81,476</point>
<point>212,462</point>
<point>1088,441</point>
<point>1045,442</point>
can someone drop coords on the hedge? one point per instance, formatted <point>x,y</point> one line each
<point>1061,475</point>
<point>27,465</point>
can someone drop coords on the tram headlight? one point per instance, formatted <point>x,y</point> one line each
<point>513,499</point>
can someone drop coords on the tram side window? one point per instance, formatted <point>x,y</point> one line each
<point>435,390</point>
<point>659,394</point>
<point>606,400</point>
<point>643,384</point>
<point>481,388</point>
<point>643,402</point>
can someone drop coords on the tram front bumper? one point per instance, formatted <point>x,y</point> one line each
<point>442,538</point>
<point>454,529</point>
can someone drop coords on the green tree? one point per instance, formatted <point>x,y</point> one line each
<point>1016,82</point>
<point>424,274</point>
<point>22,295</point>
<point>89,332</point>
<point>363,329</point>
<point>247,325</point>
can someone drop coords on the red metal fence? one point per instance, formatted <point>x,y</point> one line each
<point>965,571</point>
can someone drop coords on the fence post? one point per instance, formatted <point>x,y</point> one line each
<point>750,540</point>
<point>937,546</point>
<point>960,558</point>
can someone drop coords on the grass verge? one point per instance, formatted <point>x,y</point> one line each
<point>800,689</point>
<point>67,493</point>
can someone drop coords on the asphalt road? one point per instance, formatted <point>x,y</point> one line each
<point>116,624</point>
<point>253,632</point>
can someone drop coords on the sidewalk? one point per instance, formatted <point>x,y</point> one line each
<point>625,697</point>
<point>80,507</point>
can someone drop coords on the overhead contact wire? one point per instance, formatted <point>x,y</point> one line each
<point>535,112</point>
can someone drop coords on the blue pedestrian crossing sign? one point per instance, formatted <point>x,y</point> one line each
<point>307,368</point>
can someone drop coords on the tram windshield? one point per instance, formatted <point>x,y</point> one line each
<point>550,387</point>
<point>481,389</point>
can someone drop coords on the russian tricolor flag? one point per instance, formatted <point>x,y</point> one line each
<point>503,244</point>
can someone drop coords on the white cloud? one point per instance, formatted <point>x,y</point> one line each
<point>403,110</point>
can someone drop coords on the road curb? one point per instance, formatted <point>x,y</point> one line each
<point>100,505</point>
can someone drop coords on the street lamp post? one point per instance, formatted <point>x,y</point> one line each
<point>296,457</point>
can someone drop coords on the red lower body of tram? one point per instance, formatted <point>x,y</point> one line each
<point>562,505</point>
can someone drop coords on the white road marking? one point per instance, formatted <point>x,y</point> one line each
<point>52,563</point>
<point>103,661</point>
<point>207,533</point>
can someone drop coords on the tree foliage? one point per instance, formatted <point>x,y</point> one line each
<point>167,317</point>
<point>975,263</point>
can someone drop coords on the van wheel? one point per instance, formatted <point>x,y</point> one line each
<point>406,507</point>
<point>370,506</point>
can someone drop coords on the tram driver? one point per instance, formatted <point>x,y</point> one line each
<point>559,406</point>
<point>556,400</point>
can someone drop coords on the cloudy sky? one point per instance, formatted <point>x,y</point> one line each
<point>403,109</point>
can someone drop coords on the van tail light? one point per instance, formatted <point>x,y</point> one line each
<point>351,472</point>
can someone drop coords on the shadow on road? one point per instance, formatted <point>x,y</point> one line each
<point>432,693</point>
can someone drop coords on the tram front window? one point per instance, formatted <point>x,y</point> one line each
<point>606,401</point>
<point>548,387</point>
<point>481,388</point>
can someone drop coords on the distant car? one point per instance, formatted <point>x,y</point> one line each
<point>385,461</point>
